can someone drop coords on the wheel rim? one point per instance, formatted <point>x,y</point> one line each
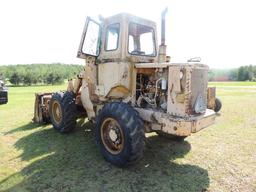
<point>112,136</point>
<point>56,112</point>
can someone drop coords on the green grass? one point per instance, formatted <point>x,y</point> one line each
<point>219,158</point>
<point>233,83</point>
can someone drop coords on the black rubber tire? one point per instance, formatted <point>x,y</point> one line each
<point>66,101</point>
<point>218,105</point>
<point>132,127</point>
<point>171,137</point>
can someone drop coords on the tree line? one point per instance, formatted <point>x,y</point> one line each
<point>243,73</point>
<point>34,74</point>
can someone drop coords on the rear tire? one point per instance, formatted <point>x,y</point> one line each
<point>218,105</point>
<point>119,134</point>
<point>171,137</point>
<point>62,110</point>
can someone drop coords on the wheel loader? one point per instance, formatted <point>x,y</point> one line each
<point>129,87</point>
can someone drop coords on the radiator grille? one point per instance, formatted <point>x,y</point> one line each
<point>199,83</point>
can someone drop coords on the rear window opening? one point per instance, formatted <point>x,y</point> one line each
<point>141,40</point>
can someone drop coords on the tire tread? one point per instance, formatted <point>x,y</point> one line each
<point>134,125</point>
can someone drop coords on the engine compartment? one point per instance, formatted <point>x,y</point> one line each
<point>151,88</point>
<point>186,94</point>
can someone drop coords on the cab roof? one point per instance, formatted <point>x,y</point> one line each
<point>129,18</point>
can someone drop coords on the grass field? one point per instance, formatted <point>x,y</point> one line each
<point>219,158</point>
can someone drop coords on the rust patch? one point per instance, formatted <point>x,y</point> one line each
<point>118,92</point>
<point>180,98</point>
<point>211,95</point>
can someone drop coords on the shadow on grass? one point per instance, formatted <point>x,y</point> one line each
<point>26,127</point>
<point>72,162</point>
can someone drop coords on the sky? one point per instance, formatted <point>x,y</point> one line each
<point>221,32</point>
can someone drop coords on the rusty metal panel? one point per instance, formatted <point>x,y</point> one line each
<point>187,89</point>
<point>174,78</point>
<point>151,65</point>
<point>176,125</point>
<point>114,75</point>
<point>178,91</point>
<point>207,120</point>
<point>211,95</point>
<point>199,83</point>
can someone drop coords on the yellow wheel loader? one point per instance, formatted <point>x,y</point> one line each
<point>128,88</point>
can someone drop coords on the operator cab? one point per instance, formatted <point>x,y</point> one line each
<point>120,38</point>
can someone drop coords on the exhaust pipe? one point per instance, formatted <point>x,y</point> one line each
<point>162,47</point>
<point>163,26</point>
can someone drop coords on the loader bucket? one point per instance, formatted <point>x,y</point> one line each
<point>41,108</point>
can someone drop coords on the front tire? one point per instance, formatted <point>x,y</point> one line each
<point>62,111</point>
<point>120,134</point>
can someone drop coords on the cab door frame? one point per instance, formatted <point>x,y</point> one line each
<point>83,54</point>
